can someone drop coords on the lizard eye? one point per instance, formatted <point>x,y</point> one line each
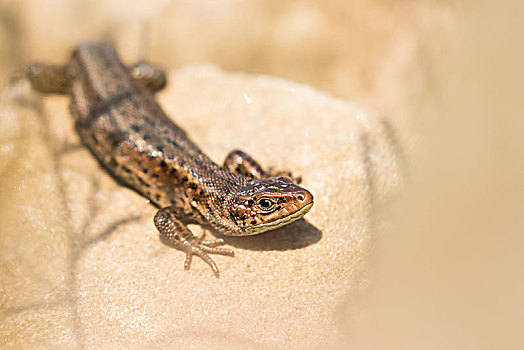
<point>265,204</point>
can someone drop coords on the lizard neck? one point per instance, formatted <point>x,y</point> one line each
<point>212,198</point>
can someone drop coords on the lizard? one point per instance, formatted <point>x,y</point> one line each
<point>117,117</point>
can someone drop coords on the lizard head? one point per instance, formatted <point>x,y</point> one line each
<point>264,205</point>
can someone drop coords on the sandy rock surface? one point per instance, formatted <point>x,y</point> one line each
<point>82,263</point>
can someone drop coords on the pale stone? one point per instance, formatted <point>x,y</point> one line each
<point>82,262</point>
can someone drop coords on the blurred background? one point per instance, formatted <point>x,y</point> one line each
<point>376,52</point>
<point>447,267</point>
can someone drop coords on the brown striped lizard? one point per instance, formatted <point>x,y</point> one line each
<point>118,119</point>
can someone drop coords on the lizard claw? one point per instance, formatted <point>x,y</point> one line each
<point>181,238</point>
<point>202,248</point>
<point>286,173</point>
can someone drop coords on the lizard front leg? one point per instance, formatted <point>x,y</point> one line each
<point>242,163</point>
<point>172,229</point>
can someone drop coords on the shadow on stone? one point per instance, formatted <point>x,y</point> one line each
<point>296,235</point>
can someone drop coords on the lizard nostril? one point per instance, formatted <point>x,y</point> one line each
<point>304,197</point>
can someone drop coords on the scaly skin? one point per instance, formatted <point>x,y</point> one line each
<point>119,120</point>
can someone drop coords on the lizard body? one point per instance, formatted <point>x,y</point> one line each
<point>118,119</point>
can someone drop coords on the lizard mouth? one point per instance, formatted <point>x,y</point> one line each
<point>266,226</point>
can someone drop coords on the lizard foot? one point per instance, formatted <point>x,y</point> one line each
<point>179,237</point>
<point>271,172</point>
<point>241,163</point>
<point>202,248</point>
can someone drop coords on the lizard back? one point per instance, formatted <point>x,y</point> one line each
<point>120,121</point>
